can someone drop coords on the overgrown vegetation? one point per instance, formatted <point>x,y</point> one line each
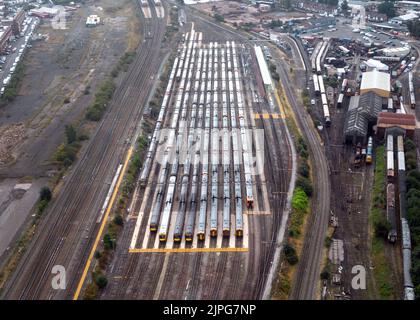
<point>299,209</point>
<point>116,223</point>
<point>388,8</point>
<point>67,152</point>
<point>306,98</point>
<point>413,210</point>
<point>331,81</point>
<point>45,196</point>
<point>219,18</point>
<point>414,28</point>
<point>380,225</point>
<point>97,109</point>
<point>123,63</point>
<point>303,190</point>
<point>12,89</point>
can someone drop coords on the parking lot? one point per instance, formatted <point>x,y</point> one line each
<point>14,52</point>
<point>344,29</point>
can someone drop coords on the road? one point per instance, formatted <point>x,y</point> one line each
<point>66,232</point>
<point>308,271</point>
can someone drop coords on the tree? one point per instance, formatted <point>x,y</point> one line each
<point>387,7</point>
<point>329,2</point>
<point>345,6</point>
<point>305,184</point>
<point>290,254</point>
<point>108,242</point>
<point>118,220</point>
<point>286,4</point>
<point>101,281</point>
<point>71,134</point>
<point>219,17</point>
<point>304,170</point>
<point>414,28</point>
<point>382,227</point>
<point>45,194</point>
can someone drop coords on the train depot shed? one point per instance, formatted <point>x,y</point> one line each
<point>363,110</point>
<point>356,125</point>
<point>375,81</point>
<point>388,121</point>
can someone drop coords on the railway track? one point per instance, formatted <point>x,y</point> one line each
<point>69,239</point>
<point>307,278</point>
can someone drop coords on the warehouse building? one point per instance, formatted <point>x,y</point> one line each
<point>375,81</point>
<point>389,122</point>
<point>364,109</point>
<point>356,125</point>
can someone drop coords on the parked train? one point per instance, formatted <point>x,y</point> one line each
<point>411,90</point>
<point>369,151</point>
<point>390,155</point>
<point>210,90</point>
<point>405,229</point>
<point>325,109</point>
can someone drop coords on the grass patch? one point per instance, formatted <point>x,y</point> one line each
<point>45,197</point>
<point>12,89</point>
<point>97,109</point>
<point>382,271</point>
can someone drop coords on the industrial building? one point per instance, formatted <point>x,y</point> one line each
<point>356,123</point>
<point>373,64</point>
<point>375,81</point>
<point>396,52</point>
<point>365,108</point>
<point>388,122</point>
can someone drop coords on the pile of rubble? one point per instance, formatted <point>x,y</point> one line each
<point>10,136</point>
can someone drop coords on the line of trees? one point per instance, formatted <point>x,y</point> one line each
<point>329,2</point>
<point>388,8</point>
<point>414,28</point>
<point>413,210</point>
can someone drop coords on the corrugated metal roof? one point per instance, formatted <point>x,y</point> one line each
<point>376,80</point>
<point>389,118</point>
<point>371,105</point>
<point>357,123</point>
<point>265,73</point>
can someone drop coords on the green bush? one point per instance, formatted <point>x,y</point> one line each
<point>71,134</point>
<point>304,169</point>
<point>290,254</point>
<point>305,185</point>
<point>118,220</point>
<point>102,98</point>
<point>45,194</point>
<point>91,292</point>
<point>108,242</point>
<point>101,281</point>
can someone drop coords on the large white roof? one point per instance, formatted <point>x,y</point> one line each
<point>372,63</point>
<point>376,80</point>
<point>407,17</point>
<point>263,66</point>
